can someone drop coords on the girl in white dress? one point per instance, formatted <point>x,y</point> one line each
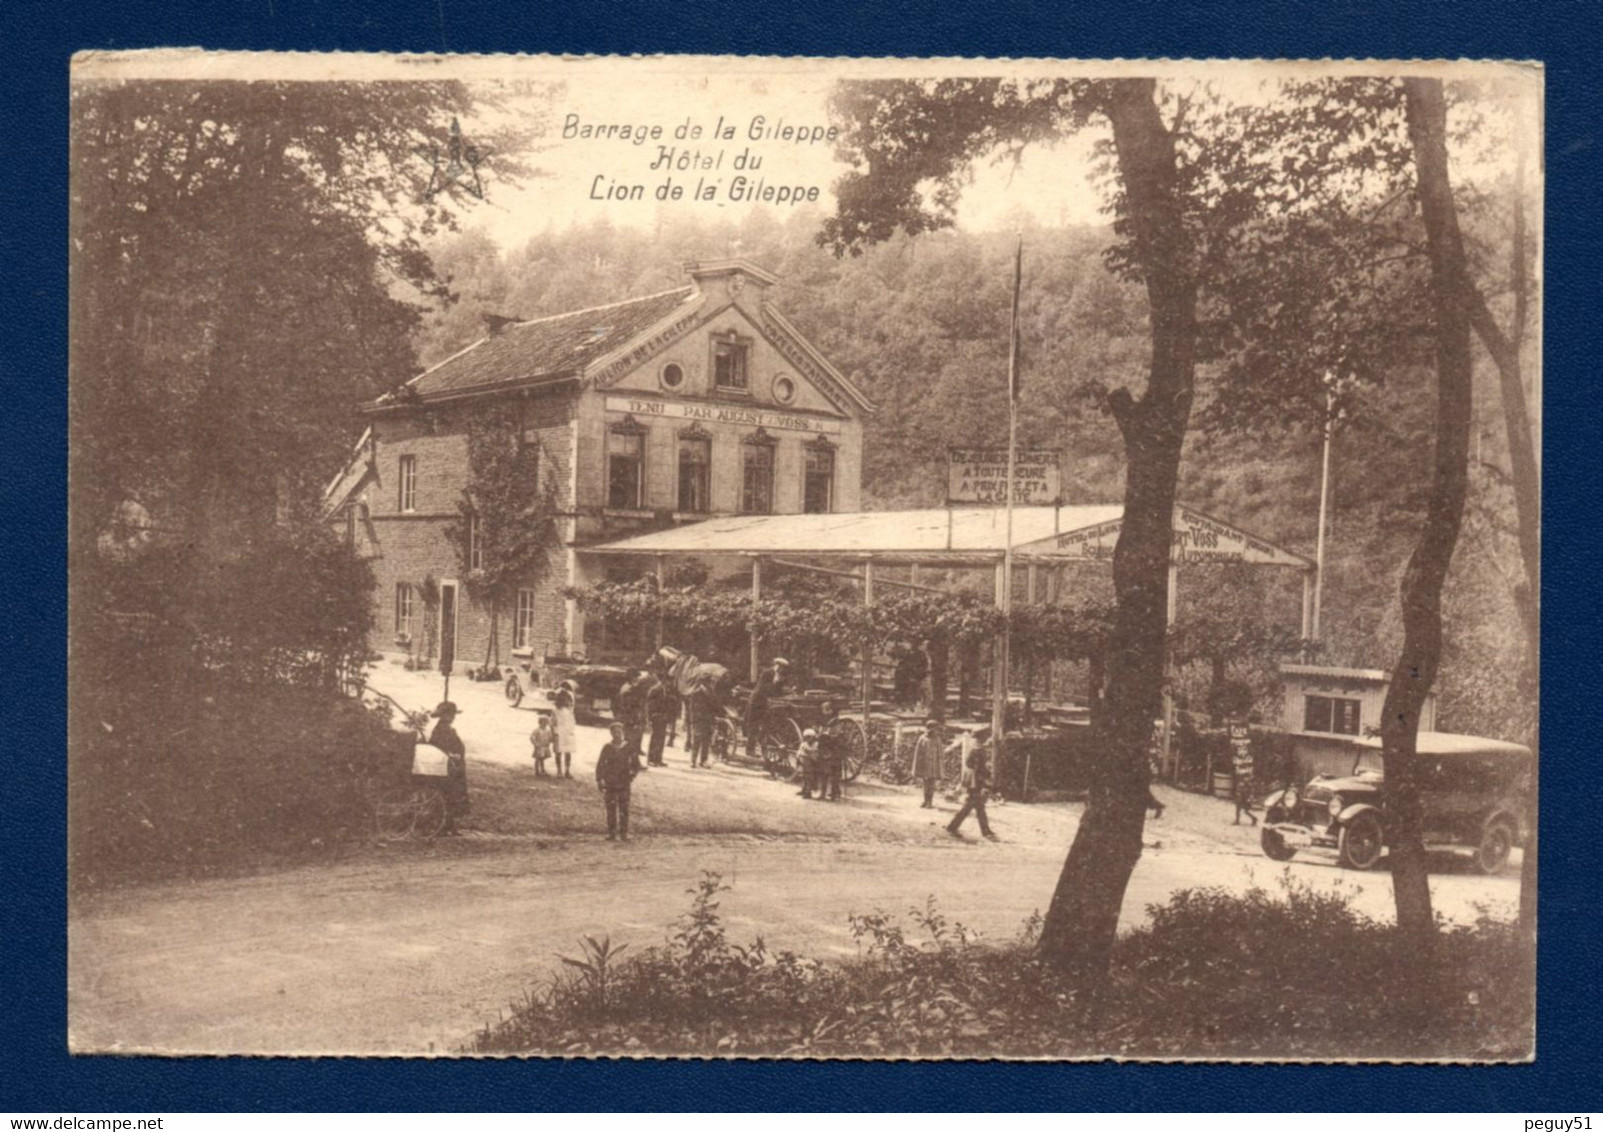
<point>567,728</point>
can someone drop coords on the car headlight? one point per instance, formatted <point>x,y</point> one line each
<point>1290,799</point>
<point>1336,805</point>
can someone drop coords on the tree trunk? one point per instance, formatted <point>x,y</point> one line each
<point>1505,352</point>
<point>1082,920</point>
<point>1416,668</point>
<point>938,652</point>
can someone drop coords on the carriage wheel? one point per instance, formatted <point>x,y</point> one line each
<point>428,811</point>
<point>723,738</point>
<point>514,689</point>
<point>393,817</point>
<point>850,734</point>
<point>781,740</point>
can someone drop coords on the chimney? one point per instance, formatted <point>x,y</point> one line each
<point>496,323</point>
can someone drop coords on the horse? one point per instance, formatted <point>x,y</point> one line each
<point>703,685</point>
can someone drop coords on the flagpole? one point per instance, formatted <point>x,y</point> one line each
<point>999,720</point>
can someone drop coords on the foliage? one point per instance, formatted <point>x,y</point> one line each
<point>1214,974</point>
<point>507,513</point>
<point>242,253</point>
<point>184,779</point>
<point>293,607</point>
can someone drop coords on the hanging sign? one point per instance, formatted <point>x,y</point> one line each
<point>979,475</point>
<point>1196,538</point>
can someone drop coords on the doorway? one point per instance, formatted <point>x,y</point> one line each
<point>447,625</point>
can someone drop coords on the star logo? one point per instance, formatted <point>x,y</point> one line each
<point>459,168</point>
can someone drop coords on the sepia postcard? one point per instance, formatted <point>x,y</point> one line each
<point>804,558</point>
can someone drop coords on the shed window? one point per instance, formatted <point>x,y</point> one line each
<point>1331,715</point>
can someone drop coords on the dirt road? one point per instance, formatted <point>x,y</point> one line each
<point>406,948</point>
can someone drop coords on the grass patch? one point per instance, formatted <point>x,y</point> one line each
<point>1293,975</point>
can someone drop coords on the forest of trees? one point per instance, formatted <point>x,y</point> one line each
<point>920,324</point>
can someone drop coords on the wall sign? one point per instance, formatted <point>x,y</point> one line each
<point>978,475</point>
<point>749,417</point>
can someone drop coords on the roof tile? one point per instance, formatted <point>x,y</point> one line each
<point>547,347</point>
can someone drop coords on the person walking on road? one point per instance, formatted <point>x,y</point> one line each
<point>927,760</point>
<point>567,728</point>
<point>976,777</point>
<point>444,737</point>
<point>662,708</point>
<point>769,682</point>
<point>615,773</point>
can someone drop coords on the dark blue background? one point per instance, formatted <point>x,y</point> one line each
<point>38,41</point>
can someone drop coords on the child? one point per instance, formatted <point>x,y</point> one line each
<point>566,728</point>
<point>807,757</point>
<point>615,773</point>
<point>541,739</point>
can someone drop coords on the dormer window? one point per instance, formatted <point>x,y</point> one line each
<point>730,356</point>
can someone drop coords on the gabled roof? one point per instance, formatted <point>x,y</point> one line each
<point>554,347</point>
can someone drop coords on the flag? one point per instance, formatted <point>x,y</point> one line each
<point>1013,380</point>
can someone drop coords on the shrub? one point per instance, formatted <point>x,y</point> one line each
<point>1214,974</point>
<point>190,778</point>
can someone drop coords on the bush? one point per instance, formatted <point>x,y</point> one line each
<point>186,779</point>
<point>1213,975</point>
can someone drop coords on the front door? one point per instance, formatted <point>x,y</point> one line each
<point>447,626</point>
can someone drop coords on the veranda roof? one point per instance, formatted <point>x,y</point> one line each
<point>937,536</point>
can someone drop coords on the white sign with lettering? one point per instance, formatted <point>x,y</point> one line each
<point>977,475</point>
<point>1196,538</point>
<point>751,417</point>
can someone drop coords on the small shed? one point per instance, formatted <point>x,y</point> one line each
<point>1329,711</point>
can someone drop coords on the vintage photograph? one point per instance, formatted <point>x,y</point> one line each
<point>794,558</point>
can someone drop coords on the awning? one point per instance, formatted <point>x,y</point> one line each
<point>951,537</point>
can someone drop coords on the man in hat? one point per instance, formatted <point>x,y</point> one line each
<point>615,773</point>
<point>976,778</point>
<point>662,708</point>
<point>927,760</point>
<point>769,682</point>
<point>444,737</point>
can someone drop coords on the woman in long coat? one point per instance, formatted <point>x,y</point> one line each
<point>567,728</point>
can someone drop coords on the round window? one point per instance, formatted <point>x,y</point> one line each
<point>672,376</point>
<point>784,390</point>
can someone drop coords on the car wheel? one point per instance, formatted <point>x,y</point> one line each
<point>1275,847</point>
<point>1497,841</point>
<point>1360,843</point>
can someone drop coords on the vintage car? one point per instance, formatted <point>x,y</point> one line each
<point>1476,794</point>
<point>596,685</point>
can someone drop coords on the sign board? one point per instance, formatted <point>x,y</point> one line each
<point>979,475</point>
<point>712,414</point>
<point>1196,538</point>
<point>1241,750</point>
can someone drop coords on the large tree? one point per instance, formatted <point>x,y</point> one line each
<point>245,261</point>
<point>904,136</point>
